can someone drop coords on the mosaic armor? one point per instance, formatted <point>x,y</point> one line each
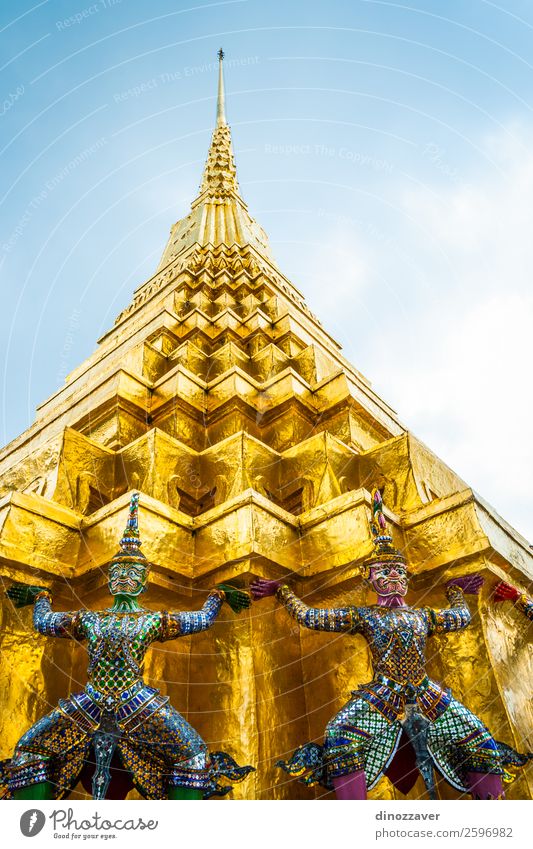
<point>366,732</point>
<point>154,742</point>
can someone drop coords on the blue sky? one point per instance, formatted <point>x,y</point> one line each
<point>385,148</point>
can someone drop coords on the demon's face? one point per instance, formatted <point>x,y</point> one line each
<point>128,578</point>
<point>389,579</point>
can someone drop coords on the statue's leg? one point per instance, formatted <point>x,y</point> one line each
<point>41,768</point>
<point>350,786</point>
<point>169,760</point>
<point>189,758</point>
<point>458,737</point>
<point>167,757</point>
<point>485,785</point>
<point>43,790</point>
<point>184,793</point>
<point>348,743</point>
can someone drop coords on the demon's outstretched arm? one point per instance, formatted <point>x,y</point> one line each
<point>457,616</point>
<point>45,620</point>
<point>180,624</point>
<point>315,618</point>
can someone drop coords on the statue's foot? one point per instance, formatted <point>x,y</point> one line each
<point>184,793</point>
<point>350,787</point>
<point>43,790</point>
<point>485,785</point>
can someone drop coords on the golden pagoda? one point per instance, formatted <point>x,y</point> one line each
<point>254,444</point>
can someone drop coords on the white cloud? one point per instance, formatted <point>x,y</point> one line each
<point>340,268</point>
<point>457,364</point>
<point>469,397</point>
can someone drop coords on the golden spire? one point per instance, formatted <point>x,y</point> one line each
<point>221,114</point>
<point>220,174</point>
<point>219,215</point>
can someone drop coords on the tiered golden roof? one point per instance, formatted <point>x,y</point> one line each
<point>254,444</point>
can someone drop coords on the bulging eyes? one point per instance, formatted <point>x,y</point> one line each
<point>399,571</point>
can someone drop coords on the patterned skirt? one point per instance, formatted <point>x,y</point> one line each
<point>360,737</point>
<point>159,750</point>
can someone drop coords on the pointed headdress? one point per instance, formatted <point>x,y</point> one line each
<point>130,544</point>
<point>384,551</point>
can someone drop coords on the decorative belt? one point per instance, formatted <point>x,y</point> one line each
<point>391,697</point>
<point>113,701</point>
<point>405,689</point>
<point>92,709</point>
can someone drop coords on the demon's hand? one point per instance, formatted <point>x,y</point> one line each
<point>506,592</point>
<point>237,599</point>
<point>22,594</point>
<point>261,588</point>
<point>469,584</point>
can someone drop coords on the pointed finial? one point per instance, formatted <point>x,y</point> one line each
<point>130,538</point>
<point>221,115</point>
<point>129,558</point>
<point>384,551</point>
